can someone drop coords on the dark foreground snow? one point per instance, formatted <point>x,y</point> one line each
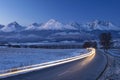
<point>19,57</point>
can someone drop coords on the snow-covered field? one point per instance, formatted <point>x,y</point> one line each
<point>19,57</point>
<point>113,69</point>
<point>49,43</point>
<point>115,52</point>
<point>117,43</point>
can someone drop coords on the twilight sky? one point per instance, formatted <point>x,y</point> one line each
<point>28,11</point>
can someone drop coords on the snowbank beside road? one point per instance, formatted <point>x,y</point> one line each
<point>113,69</point>
<point>31,68</point>
<point>12,58</point>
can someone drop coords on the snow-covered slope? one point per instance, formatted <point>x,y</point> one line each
<point>33,26</point>
<point>100,25</point>
<point>12,27</point>
<point>54,30</point>
<point>1,26</point>
<point>55,25</point>
<point>19,57</point>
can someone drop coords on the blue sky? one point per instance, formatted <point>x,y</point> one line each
<point>29,11</point>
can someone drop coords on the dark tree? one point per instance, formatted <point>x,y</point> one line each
<point>94,44</point>
<point>106,40</point>
<point>87,45</point>
<point>90,44</point>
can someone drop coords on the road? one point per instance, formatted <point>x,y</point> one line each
<point>85,69</point>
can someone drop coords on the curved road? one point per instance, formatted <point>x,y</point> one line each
<point>85,69</point>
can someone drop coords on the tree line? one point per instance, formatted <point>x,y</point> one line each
<point>105,40</point>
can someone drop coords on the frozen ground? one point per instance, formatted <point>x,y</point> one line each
<point>113,70</point>
<point>19,57</point>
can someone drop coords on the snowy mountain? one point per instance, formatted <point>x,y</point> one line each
<point>55,25</point>
<point>12,27</point>
<point>1,26</point>
<point>54,30</point>
<point>100,25</point>
<point>33,26</point>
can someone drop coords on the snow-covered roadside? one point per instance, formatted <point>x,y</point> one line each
<point>19,57</point>
<point>113,69</point>
<point>115,52</point>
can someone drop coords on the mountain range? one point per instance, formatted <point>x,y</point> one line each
<point>54,30</point>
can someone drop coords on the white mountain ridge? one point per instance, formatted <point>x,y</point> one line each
<point>1,26</point>
<point>101,25</point>
<point>56,25</point>
<point>14,26</point>
<point>33,26</point>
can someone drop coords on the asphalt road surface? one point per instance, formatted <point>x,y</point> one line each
<point>85,69</point>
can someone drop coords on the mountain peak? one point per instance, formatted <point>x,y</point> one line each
<point>35,24</point>
<point>53,24</point>
<point>1,26</point>
<point>14,23</point>
<point>75,24</point>
<point>101,25</point>
<point>52,21</point>
<point>13,26</point>
<point>100,22</point>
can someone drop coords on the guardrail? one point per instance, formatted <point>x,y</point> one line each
<point>26,69</point>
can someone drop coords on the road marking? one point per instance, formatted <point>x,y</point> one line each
<point>65,72</point>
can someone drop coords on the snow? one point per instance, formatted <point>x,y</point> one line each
<point>67,33</point>
<point>1,26</point>
<point>52,24</point>
<point>113,69</point>
<point>19,57</point>
<point>56,25</point>
<point>116,43</point>
<point>54,30</point>
<point>65,42</point>
<point>115,52</point>
<point>14,26</point>
<point>33,26</point>
<point>49,25</point>
<point>100,25</point>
